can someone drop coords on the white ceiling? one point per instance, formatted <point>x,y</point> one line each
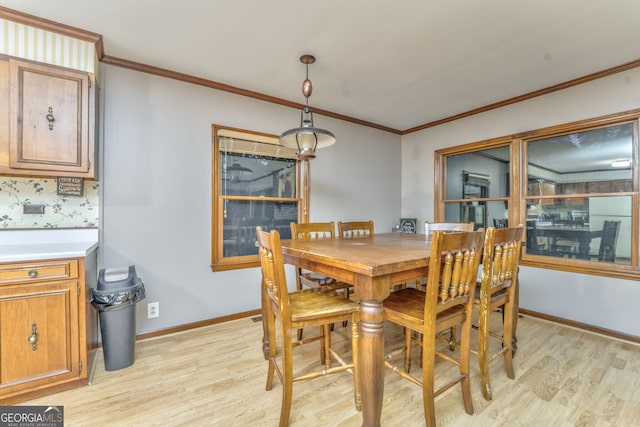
<point>397,64</point>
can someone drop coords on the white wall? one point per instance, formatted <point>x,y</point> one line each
<point>156,184</point>
<point>594,300</point>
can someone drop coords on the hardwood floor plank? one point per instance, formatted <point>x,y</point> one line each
<point>215,376</point>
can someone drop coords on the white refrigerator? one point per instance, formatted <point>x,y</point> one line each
<point>612,209</point>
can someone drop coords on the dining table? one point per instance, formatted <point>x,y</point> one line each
<point>581,234</point>
<point>372,265</point>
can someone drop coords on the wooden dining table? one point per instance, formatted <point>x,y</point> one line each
<point>372,265</point>
<point>582,234</point>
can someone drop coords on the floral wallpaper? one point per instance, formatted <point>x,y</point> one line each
<point>59,211</point>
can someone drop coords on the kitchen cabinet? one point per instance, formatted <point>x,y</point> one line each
<point>47,126</point>
<point>574,188</point>
<point>542,188</point>
<point>48,331</point>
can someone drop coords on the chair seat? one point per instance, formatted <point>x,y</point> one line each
<point>406,307</point>
<point>309,305</point>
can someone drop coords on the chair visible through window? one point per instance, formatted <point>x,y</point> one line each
<point>293,310</point>
<point>500,222</point>
<point>608,241</point>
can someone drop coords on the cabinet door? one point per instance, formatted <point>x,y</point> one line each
<point>50,119</point>
<point>39,337</point>
<point>547,189</point>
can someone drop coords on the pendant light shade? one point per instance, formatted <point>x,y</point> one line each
<point>307,138</point>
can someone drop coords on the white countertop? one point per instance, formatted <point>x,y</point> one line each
<point>29,245</point>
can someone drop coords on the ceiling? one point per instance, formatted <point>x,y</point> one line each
<point>397,65</point>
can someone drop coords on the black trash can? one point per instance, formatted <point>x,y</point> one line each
<point>115,298</point>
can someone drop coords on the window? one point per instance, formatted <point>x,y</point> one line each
<point>476,186</point>
<point>256,182</point>
<point>575,187</point>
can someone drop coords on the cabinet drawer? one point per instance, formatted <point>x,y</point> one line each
<point>38,271</point>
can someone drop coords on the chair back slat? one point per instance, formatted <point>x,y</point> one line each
<point>453,265</point>
<point>313,230</point>
<point>355,229</point>
<point>501,257</point>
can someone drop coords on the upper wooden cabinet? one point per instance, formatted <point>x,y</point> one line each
<point>50,122</point>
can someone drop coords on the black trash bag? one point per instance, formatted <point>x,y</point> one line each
<point>117,298</point>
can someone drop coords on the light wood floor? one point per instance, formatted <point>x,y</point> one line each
<point>215,376</point>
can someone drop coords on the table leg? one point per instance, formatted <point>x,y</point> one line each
<point>371,358</point>
<point>584,246</point>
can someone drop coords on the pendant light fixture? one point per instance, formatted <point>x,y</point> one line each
<point>307,138</point>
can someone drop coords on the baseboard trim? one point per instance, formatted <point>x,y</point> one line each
<point>589,328</point>
<point>571,323</point>
<point>196,325</point>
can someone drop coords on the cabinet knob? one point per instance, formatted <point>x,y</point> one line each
<point>33,273</point>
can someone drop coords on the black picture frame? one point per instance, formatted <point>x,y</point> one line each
<point>409,225</point>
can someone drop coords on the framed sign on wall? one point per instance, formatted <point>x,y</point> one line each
<point>408,225</point>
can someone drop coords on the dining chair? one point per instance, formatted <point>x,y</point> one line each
<point>355,229</point>
<point>310,279</point>
<point>497,290</point>
<point>500,222</point>
<point>447,227</point>
<point>536,245</point>
<point>608,241</point>
<point>453,268</point>
<point>294,310</point>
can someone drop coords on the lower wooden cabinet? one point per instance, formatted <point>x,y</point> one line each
<point>48,331</point>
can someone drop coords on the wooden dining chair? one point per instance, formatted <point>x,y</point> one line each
<point>310,279</point>
<point>293,310</point>
<point>355,229</point>
<point>447,227</point>
<point>608,241</point>
<point>500,222</point>
<point>447,302</point>
<point>497,291</point>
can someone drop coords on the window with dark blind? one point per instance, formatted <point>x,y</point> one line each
<point>256,182</point>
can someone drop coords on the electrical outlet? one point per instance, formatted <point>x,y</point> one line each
<point>153,310</point>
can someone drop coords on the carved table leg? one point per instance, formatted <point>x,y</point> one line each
<point>371,357</point>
